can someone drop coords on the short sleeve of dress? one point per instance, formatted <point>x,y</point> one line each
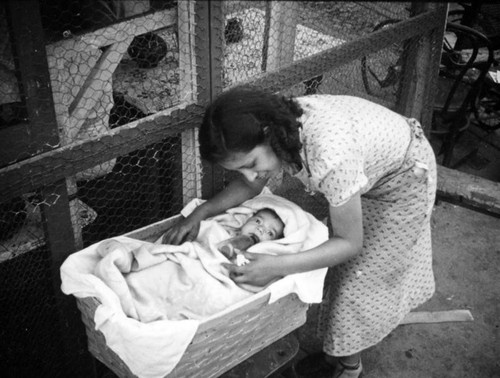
<point>336,160</point>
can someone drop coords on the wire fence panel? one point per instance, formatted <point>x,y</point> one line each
<point>111,65</point>
<point>307,47</point>
<point>99,105</point>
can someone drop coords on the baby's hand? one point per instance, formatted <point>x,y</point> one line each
<point>226,249</point>
<point>241,259</point>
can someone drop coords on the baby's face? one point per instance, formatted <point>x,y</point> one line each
<point>263,225</point>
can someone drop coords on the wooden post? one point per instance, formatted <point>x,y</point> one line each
<point>436,40</point>
<point>420,69</point>
<point>279,34</point>
<point>209,34</point>
<point>28,44</point>
<point>28,33</point>
<point>191,164</point>
<point>60,240</point>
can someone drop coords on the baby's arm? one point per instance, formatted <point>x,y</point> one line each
<point>233,248</point>
<point>233,254</point>
<point>225,247</point>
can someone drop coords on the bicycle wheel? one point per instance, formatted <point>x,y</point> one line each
<point>487,110</point>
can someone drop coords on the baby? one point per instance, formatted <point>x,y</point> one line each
<point>264,225</point>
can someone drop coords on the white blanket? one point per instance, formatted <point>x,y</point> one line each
<point>146,288</point>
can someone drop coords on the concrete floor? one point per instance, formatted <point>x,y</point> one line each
<point>466,247</point>
<point>467,269</point>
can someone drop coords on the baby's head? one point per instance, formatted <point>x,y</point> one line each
<point>265,224</point>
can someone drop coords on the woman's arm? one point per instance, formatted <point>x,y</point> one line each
<point>237,192</point>
<point>346,243</point>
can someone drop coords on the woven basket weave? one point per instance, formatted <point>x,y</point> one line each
<point>220,343</point>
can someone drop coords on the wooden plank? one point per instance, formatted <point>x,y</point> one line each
<point>34,81</point>
<point>435,39</point>
<point>83,95</point>
<point>27,32</point>
<point>437,317</point>
<point>56,217</point>
<point>61,242</point>
<point>279,39</point>
<point>35,77</point>
<point>216,27</point>
<point>119,32</point>
<point>209,48</point>
<point>240,5</point>
<point>66,161</point>
<point>347,52</point>
<point>216,51</point>
<point>68,71</point>
<point>468,189</point>
<point>421,69</point>
<point>153,231</point>
<point>191,164</point>
<point>96,85</point>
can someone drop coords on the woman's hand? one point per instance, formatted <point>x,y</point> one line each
<point>184,230</point>
<point>260,270</point>
<point>238,191</point>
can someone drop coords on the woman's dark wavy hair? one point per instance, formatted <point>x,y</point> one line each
<point>244,117</point>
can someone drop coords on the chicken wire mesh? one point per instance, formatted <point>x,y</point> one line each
<point>115,67</point>
<point>109,63</point>
<point>265,37</point>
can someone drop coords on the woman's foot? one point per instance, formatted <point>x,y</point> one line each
<point>315,365</point>
<point>344,369</point>
<point>322,365</point>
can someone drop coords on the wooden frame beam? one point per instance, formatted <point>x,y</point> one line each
<point>421,69</point>
<point>115,33</point>
<point>31,63</point>
<point>473,191</point>
<point>329,59</point>
<point>66,161</point>
<point>57,222</point>
<point>209,48</point>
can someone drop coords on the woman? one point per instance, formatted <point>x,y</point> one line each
<point>378,173</point>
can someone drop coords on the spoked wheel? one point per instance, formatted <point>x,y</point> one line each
<point>487,109</point>
<point>381,71</point>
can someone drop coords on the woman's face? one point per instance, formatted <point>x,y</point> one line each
<point>261,163</point>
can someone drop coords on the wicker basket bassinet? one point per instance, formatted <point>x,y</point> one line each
<point>220,343</point>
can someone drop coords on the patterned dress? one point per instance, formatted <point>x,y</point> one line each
<point>351,145</point>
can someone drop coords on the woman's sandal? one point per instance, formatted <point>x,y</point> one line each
<point>348,371</point>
